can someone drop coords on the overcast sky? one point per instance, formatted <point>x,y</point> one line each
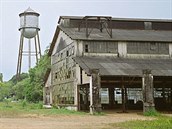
<point>50,10</point>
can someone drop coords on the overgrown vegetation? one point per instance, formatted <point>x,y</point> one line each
<point>30,85</point>
<point>152,112</point>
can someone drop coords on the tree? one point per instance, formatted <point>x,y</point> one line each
<point>30,85</point>
<point>37,75</point>
<point>1,77</point>
<point>5,90</point>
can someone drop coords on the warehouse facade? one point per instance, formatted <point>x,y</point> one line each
<point>100,62</point>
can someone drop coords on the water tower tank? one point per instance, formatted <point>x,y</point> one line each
<point>29,23</point>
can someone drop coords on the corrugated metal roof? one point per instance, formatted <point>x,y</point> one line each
<point>110,66</point>
<point>119,19</point>
<point>119,35</point>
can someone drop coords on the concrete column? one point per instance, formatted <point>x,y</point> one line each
<point>51,96</point>
<point>147,89</point>
<point>95,100</point>
<point>44,95</point>
<point>91,96</point>
<point>111,97</point>
<point>76,83</point>
<point>124,95</point>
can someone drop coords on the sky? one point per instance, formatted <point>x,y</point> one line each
<point>50,10</point>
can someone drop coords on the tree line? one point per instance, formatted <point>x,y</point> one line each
<point>30,85</point>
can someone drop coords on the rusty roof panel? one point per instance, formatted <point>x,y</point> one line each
<point>125,67</point>
<point>120,35</point>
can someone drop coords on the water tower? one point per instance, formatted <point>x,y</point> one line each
<point>29,28</point>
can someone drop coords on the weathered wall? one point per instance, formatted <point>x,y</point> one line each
<point>63,70</point>
<point>47,90</point>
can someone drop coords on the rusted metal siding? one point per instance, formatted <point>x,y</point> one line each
<point>128,25</point>
<point>147,48</point>
<point>161,26</point>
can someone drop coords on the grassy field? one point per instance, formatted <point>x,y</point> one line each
<point>19,109</point>
<point>23,109</point>
<point>159,123</point>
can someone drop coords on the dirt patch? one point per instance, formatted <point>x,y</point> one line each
<point>67,121</point>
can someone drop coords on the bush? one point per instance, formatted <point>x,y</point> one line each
<point>7,101</point>
<point>24,103</point>
<point>40,105</point>
<point>151,112</point>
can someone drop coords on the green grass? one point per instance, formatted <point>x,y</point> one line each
<point>20,109</point>
<point>160,122</point>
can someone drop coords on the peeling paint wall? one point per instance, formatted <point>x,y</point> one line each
<point>63,70</point>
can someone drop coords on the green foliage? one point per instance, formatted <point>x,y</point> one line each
<point>14,81</point>
<point>37,74</point>
<point>152,112</point>
<point>5,90</point>
<point>24,103</point>
<point>30,85</point>
<point>7,101</point>
<point>21,89</point>
<point>1,77</point>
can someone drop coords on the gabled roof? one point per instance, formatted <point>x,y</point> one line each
<point>53,41</point>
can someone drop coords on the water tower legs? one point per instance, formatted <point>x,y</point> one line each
<point>29,53</point>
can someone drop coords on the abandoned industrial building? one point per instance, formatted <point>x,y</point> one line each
<point>100,62</point>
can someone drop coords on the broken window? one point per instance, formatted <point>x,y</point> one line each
<point>86,47</point>
<point>152,46</point>
<point>67,53</point>
<point>61,55</point>
<point>56,75</point>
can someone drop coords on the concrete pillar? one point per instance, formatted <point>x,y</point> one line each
<point>111,97</point>
<point>91,96</point>
<point>147,89</point>
<point>51,96</point>
<point>95,100</point>
<point>44,95</point>
<point>124,96</point>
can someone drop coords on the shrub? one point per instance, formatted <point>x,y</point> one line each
<point>24,103</point>
<point>151,112</point>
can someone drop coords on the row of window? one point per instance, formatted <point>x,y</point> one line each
<point>147,48</point>
<point>132,48</point>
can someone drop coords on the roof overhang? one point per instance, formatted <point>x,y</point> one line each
<point>109,66</point>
